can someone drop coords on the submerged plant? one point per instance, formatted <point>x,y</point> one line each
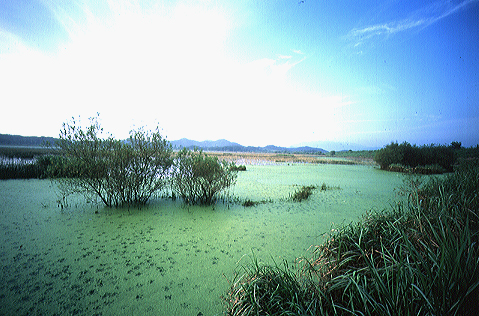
<point>249,203</point>
<point>325,187</point>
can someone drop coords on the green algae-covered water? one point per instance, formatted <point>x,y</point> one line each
<point>167,259</point>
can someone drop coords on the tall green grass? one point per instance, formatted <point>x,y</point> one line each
<point>418,258</point>
<point>259,289</point>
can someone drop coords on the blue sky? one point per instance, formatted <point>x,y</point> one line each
<point>253,72</point>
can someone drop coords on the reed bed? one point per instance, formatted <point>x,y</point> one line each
<point>417,258</point>
<point>273,158</point>
<point>19,169</point>
<point>41,167</point>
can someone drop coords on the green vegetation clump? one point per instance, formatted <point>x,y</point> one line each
<point>303,193</point>
<point>238,168</point>
<point>249,202</point>
<point>268,290</point>
<point>56,166</point>
<point>325,187</point>
<point>411,157</point>
<point>199,179</point>
<point>418,258</point>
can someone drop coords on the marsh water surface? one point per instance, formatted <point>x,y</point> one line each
<point>167,259</point>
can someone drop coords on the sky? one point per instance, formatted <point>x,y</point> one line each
<point>253,72</point>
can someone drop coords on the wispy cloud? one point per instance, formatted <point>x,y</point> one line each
<point>420,18</point>
<point>278,67</point>
<point>297,51</point>
<point>284,56</point>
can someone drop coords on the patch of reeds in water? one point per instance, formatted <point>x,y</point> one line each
<point>15,168</point>
<point>336,162</point>
<point>41,167</point>
<point>418,258</point>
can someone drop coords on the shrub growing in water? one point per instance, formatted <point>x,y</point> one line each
<point>198,178</point>
<point>117,172</point>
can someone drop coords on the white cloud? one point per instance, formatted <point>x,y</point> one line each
<point>386,29</point>
<point>420,18</point>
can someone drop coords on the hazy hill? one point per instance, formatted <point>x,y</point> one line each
<point>337,146</point>
<point>217,145</point>
<point>184,142</point>
<point>31,141</point>
<point>224,145</point>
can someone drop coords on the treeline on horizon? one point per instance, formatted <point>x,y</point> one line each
<point>33,158</point>
<point>426,159</point>
<point>28,147</point>
<point>31,141</point>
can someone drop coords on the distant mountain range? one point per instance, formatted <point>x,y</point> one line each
<point>217,145</point>
<point>337,146</point>
<point>308,147</point>
<point>225,145</point>
<point>204,144</point>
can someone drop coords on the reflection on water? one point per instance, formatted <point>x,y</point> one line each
<point>166,259</point>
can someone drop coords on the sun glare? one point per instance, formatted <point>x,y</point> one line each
<point>142,67</point>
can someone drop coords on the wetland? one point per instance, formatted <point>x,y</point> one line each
<point>168,258</point>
